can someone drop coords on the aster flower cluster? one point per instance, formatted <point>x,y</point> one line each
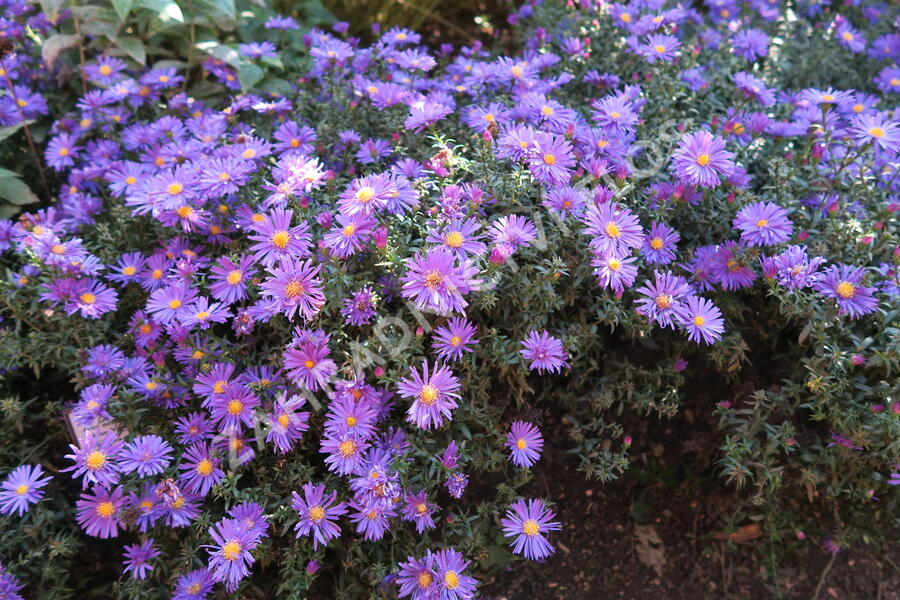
<point>308,284</point>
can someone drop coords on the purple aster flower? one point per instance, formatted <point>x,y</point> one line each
<point>425,113</point>
<point>318,513</point>
<point>451,581</point>
<point>417,509</point>
<point>372,520</point>
<point>614,229</point>
<point>849,38</point>
<point>196,585</point>
<point>417,578</point>
<point>96,459</point>
<point>550,159</point>
<point>511,232</point>
<point>171,302</point>
<point>701,158</point>
<point>233,410</point>
<point>349,415</point>
<point>614,272</point>
<point>701,319</point>
<point>294,286</point>
<point>23,486</point>
<point>763,224</point>
<point>92,299</point>
<point>527,522</point>
<point>663,298</point>
<point>878,130</point>
<point>456,484</point>
<point>309,365</point>
<point>615,114</point>
<point>97,512</point>
<point>525,443</point>
<point>367,194</point>
<point>92,405</point>
<point>751,44</point>
<point>461,237</point>
<point>61,150</point>
<point>565,201</point>
<point>454,338</point>
<point>229,554</point>
<point>259,50</point>
<point>729,268</point>
<point>137,559</point>
<point>228,279</point>
<point>9,585</point>
<point>659,244</point>
<point>287,423</point>
<point>359,309</point>
<point>350,235</point>
<point>754,88</point>
<point>104,360</point>
<point>201,313</point>
<point>545,352</point>
<point>438,281</point>
<point>192,428</point>
<point>795,270</point>
<point>276,239</point>
<point>662,48</point>
<point>842,282</point>
<point>344,452</point>
<point>434,395</point>
<point>450,457</point>
<point>200,469</point>
<point>146,454</point>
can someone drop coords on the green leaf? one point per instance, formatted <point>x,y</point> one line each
<point>224,8</point>
<point>16,191</point>
<point>166,10</point>
<point>133,47</point>
<point>249,75</point>
<point>123,7</point>
<point>55,45</point>
<point>222,52</point>
<point>51,9</point>
<point>5,132</point>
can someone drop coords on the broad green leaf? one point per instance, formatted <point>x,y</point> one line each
<point>51,9</point>
<point>16,191</point>
<point>5,132</point>
<point>249,75</point>
<point>223,8</point>
<point>222,52</point>
<point>166,10</point>
<point>123,7</point>
<point>55,45</point>
<point>8,210</point>
<point>133,47</point>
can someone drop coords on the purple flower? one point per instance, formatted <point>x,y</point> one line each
<point>349,415</point>
<point>662,48</point>
<point>294,286</point>
<point>663,298</point>
<point>276,239</point>
<point>527,522</point>
<point>195,585</point>
<point>171,302</point>
<point>702,320</point>
<point>417,578</point>
<point>614,229</point>
<point>701,158</point>
<point>287,423</point>
<point>350,235</point>
<point>754,88</point>
<point>425,113</point>
<point>795,270</point>
<point>510,232</point>
<point>367,195</point>
<point>456,484</point>
<point>146,454</point>
<point>233,410</point>
<point>200,469</point>
<point>371,520</point>
<point>418,509</point>
<point>438,281</point>
<point>228,280</point>
<point>550,159</point>
<point>137,559</point>
<point>318,513</point>
<point>344,452</point>
<point>97,512</point>
<point>751,44</point>
<point>451,581</point>
<point>613,271</point>
<point>359,309</point>
<point>96,459</point>
<point>878,130</point>
<point>545,352</point>
<point>461,237</point>
<point>842,282</point>
<point>659,244</point>
<point>454,338</point>
<point>525,443</point>
<point>308,364</point>
<point>23,486</point>
<point>229,555</point>
<point>763,224</point>
<point>434,396</point>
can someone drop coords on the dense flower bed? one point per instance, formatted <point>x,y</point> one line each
<point>313,324</point>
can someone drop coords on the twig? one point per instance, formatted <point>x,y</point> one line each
<point>77,23</point>
<point>823,575</point>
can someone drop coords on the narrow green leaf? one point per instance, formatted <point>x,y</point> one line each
<point>123,7</point>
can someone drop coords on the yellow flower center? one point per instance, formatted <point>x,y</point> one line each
<point>95,460</point>
<point>454,239</point>
<point>284,420</point>
<point>129,270</point>
<point>455,341</point>
<point>451,580</point>
<point>248,153</point>
<point>88,298</point>
<point>762,223</point>
<point>877,132</point>
<point>614,264</point>
<point>234,277</point>
<point>847,36</point>
<point>656,243</point>
<point>349,230</point>
<point>175,304</point>
<point>858,108</point>
<point>22,489</point>
<point>625,17</point>
<point>351,421</point>
<point>198,354</point>
<point>309,364</point>
<point>106,509</point>
<point>364,194</point>
<point>546,111</point>
<point>185,211</point>
<point>699,321</point>
<point>105,70</point>
<point>490,118</point>
<point>347,448</point>
<point>421,508</point>
<point>58,249</point>
<point>293,290</point>
<point>63,151</point>
<point>316,514</point>
<point>517,71</point>
<point>845,290</point>
<point>428,395</point>
<point>204,468</point>
<point>433,279</point>
<point>549,159</point>
<point>235,407</point>
<point>424,580</point>
<point>663,301</point>
<point>531,528</point>
<point>521,444</point>
<point>280,239</point>
<point>231,550</point>
<point>703,160</point>
<point>659,49</point>
<point>174,189</point>
<point>612,230</point>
